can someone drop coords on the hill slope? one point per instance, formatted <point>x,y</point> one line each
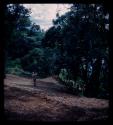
<point>48,101</point>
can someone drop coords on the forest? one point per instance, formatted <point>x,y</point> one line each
<point>75,49</point>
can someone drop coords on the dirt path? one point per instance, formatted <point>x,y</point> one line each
<point>48,101</point>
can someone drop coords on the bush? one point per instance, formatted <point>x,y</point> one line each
<point>13,63</point>
<point>17,71</point>
<point>63,74</point>
<point>12,66</point>
<point>77,87</point>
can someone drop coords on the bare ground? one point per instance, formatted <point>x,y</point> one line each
<point>48,101</point>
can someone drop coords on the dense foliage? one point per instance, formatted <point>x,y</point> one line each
<point>80,38</point>
<point>23,40</point>
<point>75,48</point>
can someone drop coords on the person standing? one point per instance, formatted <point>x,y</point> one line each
<point>34,76</point>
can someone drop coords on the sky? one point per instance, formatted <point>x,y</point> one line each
<point>43,14</point>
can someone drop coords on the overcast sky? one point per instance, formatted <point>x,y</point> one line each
<point>43,14</point>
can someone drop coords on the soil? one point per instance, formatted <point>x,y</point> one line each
<point>48,101</point>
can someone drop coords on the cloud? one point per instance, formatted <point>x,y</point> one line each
<point>43,14</point>
<point>43,23</point>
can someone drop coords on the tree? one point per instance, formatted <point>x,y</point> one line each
<point>81,33</point>
<point>23,37</point>
<point>16,23</point>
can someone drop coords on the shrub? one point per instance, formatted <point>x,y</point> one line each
<point>77,87</point>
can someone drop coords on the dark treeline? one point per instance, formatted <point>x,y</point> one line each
<point>75,48</point>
